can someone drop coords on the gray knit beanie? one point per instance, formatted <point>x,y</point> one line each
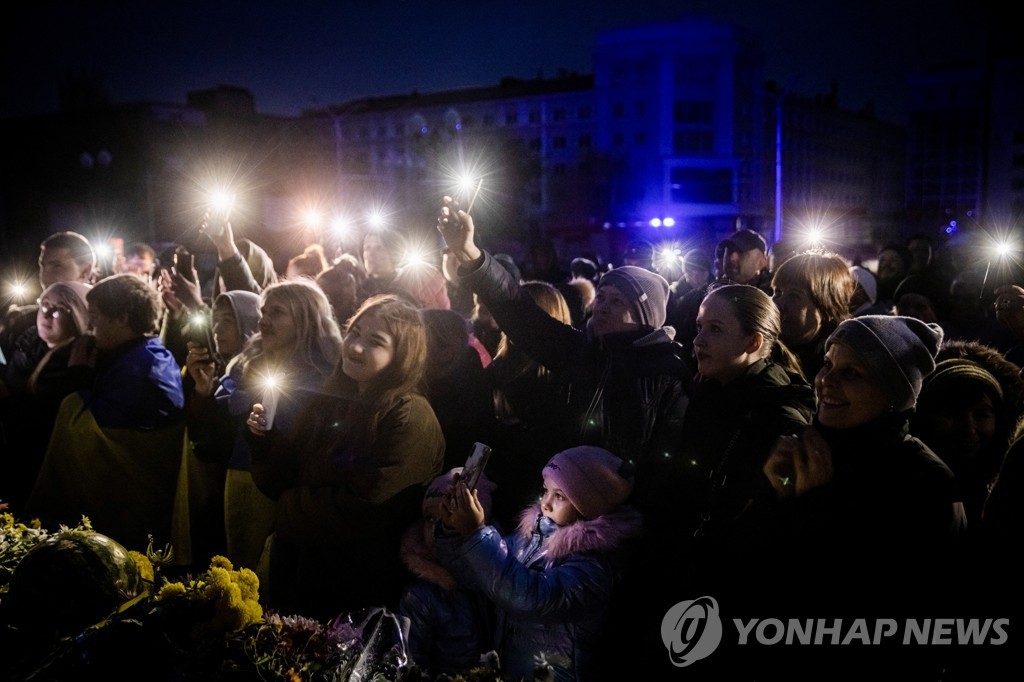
<point>647,290</point>
<point>900,352</point>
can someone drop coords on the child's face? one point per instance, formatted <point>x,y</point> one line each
<point>556,506</point>
<point>367,350</point>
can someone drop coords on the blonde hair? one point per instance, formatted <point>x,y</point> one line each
<point>318,338</point>
<point>549,299</point>
<point>510,362</point>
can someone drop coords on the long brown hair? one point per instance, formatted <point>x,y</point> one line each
<point>402,376</point>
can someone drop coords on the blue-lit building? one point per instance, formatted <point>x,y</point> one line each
<point>675,136</point>
<point>965,151</point>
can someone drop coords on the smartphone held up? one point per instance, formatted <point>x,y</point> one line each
<point>474,465</point>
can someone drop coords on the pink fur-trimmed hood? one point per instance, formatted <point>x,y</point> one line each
<point>420,561</point>
<point>604,533</point>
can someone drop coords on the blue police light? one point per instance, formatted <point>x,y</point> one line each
<point>669,222</point>
<point>655,222</point>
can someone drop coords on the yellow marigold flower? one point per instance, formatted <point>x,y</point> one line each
<point>170,591</point>
<point>144,564</point>
<point>221,562</point>
<point>250,584</point>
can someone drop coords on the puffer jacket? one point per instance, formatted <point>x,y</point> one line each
<point>627,392</point>
<point>449,626</point>
<point>552,586</point>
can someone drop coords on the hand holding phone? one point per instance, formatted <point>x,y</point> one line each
<point>184,264</point>
<point>475,464</point>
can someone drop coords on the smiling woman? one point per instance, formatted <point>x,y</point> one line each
<point>349,477</point>
<point>856,493</point>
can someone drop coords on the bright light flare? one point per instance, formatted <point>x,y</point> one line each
<point>476,193</point>
<point>414,257</point>
<point>221,200</point>
<point>340,227</point>
<point>272,384</point>
<point>1002,248</point>
<point>17,291</point>
<point>312,218</point>
<point>376,219</point>
<point>668,260</point>
<point>104,251</point>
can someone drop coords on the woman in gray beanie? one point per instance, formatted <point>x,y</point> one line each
<point>864,517</point>
<point>629,378</point>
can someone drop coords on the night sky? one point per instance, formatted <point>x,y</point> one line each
<point>303,54</point>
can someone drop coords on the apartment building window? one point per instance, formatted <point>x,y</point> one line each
<point>558,169</point>
<point>535,144</point>
<point>617,139</point>
<point>693,112</point>
<point>696,71</point>
<point>693,141</point>
<point>583,142</point>
<point>639,138</point>
<point>641,107</point>
<point>701,185</point>
<point>584,112</point>
<point>618,110</point>
<point>534,116</point>
<point>559,114</point>
<point>558,142</point>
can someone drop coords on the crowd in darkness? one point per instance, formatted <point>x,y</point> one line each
<point>785,431</point>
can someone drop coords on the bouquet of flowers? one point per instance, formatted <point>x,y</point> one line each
<point>205,627</point>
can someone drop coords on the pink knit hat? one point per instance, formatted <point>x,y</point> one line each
<point>594,480</point>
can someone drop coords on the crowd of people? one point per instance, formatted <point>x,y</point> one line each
<point>793,434</point>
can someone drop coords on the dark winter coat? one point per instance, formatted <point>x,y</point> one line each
<point>342,506</point>
<point>450,626</point>
<point>727,436</point>
<point>552,586</point>
<point>626,392</point>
